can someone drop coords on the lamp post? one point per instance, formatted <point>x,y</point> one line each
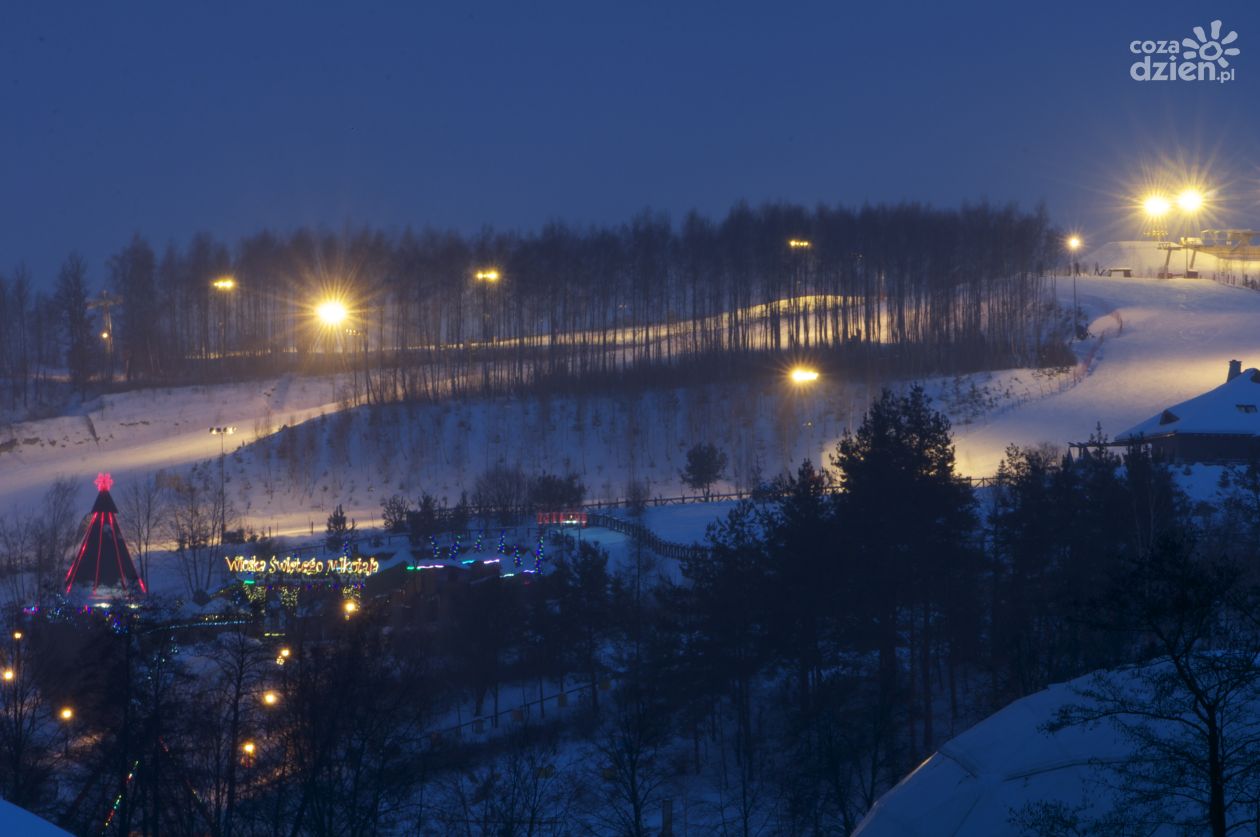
<point>486,278</point>
<point>331,314</point>
<point>801,246</point>
<point>1189,202</point>
<point>225,285</point>
<point>221,432</point>
<point>66,715</point>
<point>1073,245</point>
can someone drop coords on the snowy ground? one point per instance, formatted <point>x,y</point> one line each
<point>1153,343</point>
<point>1162,341</point>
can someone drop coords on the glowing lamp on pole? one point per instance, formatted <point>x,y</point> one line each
<point>1190,201</point>
<point>1073,244</point>
<point>331,312</point>
<point>803,375</point>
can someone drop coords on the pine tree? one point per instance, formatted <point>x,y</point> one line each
<point>340,531</point>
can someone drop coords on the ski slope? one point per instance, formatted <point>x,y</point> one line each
<point>133,434</point>
<point>1155,342</point>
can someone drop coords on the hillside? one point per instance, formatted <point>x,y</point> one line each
<point>1152,343</point>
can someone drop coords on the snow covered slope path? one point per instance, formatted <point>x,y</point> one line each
<point>137,433</point>
<point>1177,337</point>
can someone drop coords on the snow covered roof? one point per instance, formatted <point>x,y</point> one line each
<point>1233,409</point>
<point>974,783</point>
<point>15,820</point>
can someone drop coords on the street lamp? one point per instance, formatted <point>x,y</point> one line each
<point>17,635</point>
<point>1190,201</point>
<point>331,312</point>
<point>8,675</point>
<point>224,285</point>
<point>221,432</point>
<point>66,715</point>
<point>1073,245</point>
<point>799,243</point>
<point>486,277</point>
<point>1155,207</point>
<point>270,697</point>
<point>802,375</point>
<point>350,607</point>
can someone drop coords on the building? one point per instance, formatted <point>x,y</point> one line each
<point>1221,425</point>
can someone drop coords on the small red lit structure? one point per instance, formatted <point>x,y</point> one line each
<point>103,559</point>
<point>568,518</point>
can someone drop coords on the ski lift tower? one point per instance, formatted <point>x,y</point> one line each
<point>105,302</point>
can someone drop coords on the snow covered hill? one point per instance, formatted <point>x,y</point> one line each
<point>1153,343</point>
<point>1010,765</point>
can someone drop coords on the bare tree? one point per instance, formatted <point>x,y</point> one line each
<point>192,522</point>
<point>17,558</point>
<point>143,505</point>
<point>58,529</point>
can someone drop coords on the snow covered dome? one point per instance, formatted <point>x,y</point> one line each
<point>974,783</point>
<point>15,820</point>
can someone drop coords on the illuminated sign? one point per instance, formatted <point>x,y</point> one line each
<point>300,566</point>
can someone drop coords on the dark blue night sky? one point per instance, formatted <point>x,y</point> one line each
<point>169,118</point>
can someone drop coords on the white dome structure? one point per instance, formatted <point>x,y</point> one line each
<point>973,784</point>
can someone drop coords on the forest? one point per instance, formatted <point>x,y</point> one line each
<point>830,634</point>
<point>903,289</point>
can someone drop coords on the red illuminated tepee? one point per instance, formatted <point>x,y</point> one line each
<point>103,560</point>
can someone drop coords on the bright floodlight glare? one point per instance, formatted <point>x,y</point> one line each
<point>1156,206</point>
<point>799,244</point>
<point>1190,200</point>
<point>802,375</point>
<point>490,275</point>
<point>331,312</point>
<point>1074,243</point>
<point>224,283</point>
